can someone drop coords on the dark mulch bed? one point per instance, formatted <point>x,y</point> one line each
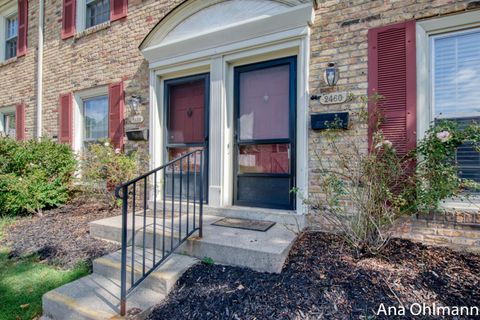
<point>323,280</point>
<point>61,236</point>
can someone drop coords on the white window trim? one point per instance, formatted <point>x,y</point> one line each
<point>5,12</point>
<point>81,17</point>
<point>3,112</point>
<point>425,30</point>
<point>78,120</point>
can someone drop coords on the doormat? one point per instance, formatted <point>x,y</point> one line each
<point>246,224</point>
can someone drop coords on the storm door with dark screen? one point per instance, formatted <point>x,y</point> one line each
<point>186,101</point>
<point>264,166</point>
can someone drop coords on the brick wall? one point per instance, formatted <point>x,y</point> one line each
<point>340,35</point>
<point>103,55</point>
<point>441,232</point>
<point>18,75</point>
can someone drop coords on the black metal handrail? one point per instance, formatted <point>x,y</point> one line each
<point>195,197</point>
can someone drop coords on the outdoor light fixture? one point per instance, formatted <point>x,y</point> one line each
<point>331,74</point>
<point>134,103</point>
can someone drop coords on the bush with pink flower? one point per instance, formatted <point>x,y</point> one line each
<point>437,171</point>
<point>103,167</point>
<point>362,192</point>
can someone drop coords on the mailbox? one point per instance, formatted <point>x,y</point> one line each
<point>336,120</point>
<point>137,134</point>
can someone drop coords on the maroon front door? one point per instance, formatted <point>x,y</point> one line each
<point>186,101</point>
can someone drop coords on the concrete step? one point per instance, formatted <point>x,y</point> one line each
<point>276,215</point>
<point>109,229</point>
<point>94,297</point>
<point>261,251</point>
<point>162,279</point>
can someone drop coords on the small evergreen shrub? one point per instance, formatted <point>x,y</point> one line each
<point>34,175</point>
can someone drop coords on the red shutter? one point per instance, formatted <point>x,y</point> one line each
<point>20,122</point>
<point>118,9</point>
<point>116,109</point>
<point>22,27</point>
<point>68,18</point>
<point>392,74</point>
<point>65,118</point>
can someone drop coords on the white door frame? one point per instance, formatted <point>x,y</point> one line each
<point>219,62</point>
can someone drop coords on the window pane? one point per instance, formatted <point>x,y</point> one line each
<point>456,91</point>
<point>264,103</point>
<point>264,158</point>
<point>468,159</point>
<point>11,37</point>
<point>12,27</point>
<point>457,75</point>
<point>174,153</point>
<point>96,118</point>
<point>98,11</point>
<point>9,124</point>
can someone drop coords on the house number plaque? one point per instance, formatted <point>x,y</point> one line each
<point>136,119</point>
<point>334,97</point>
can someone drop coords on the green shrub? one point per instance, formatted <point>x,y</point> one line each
<point>104,167</point>
<point>34,175</point>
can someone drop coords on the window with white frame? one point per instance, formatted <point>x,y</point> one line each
<point>11,34</point>
<point>96,12</point>
<point>455,88</point>
<point>8,31</point>
<point>90,13</point>
<point>7,122</point>
<point>95,119</point>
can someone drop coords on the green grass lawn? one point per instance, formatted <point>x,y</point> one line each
<point>23,282</point>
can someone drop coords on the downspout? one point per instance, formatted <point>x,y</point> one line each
<point>40,69</point>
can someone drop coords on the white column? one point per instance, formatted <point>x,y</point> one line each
<point>155,139</point>
<point>216,132</point>
<point>303,62</point>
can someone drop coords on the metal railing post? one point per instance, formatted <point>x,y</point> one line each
<point>123,275</point>
<point>200,222</point>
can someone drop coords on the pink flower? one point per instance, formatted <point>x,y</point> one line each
<point>443,136</point>
<point>117,151</point>
<point>384,143</point>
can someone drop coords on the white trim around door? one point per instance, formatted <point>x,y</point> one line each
<point>219,63</point>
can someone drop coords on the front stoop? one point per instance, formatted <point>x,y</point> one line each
<point>97,295</point>
<point>260,251</point>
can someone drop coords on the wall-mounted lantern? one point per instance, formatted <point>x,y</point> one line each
<point>134,103</point>
<point>331,74</point>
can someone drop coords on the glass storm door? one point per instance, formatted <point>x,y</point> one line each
<point>264,164</point>
<point>186,101</point>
